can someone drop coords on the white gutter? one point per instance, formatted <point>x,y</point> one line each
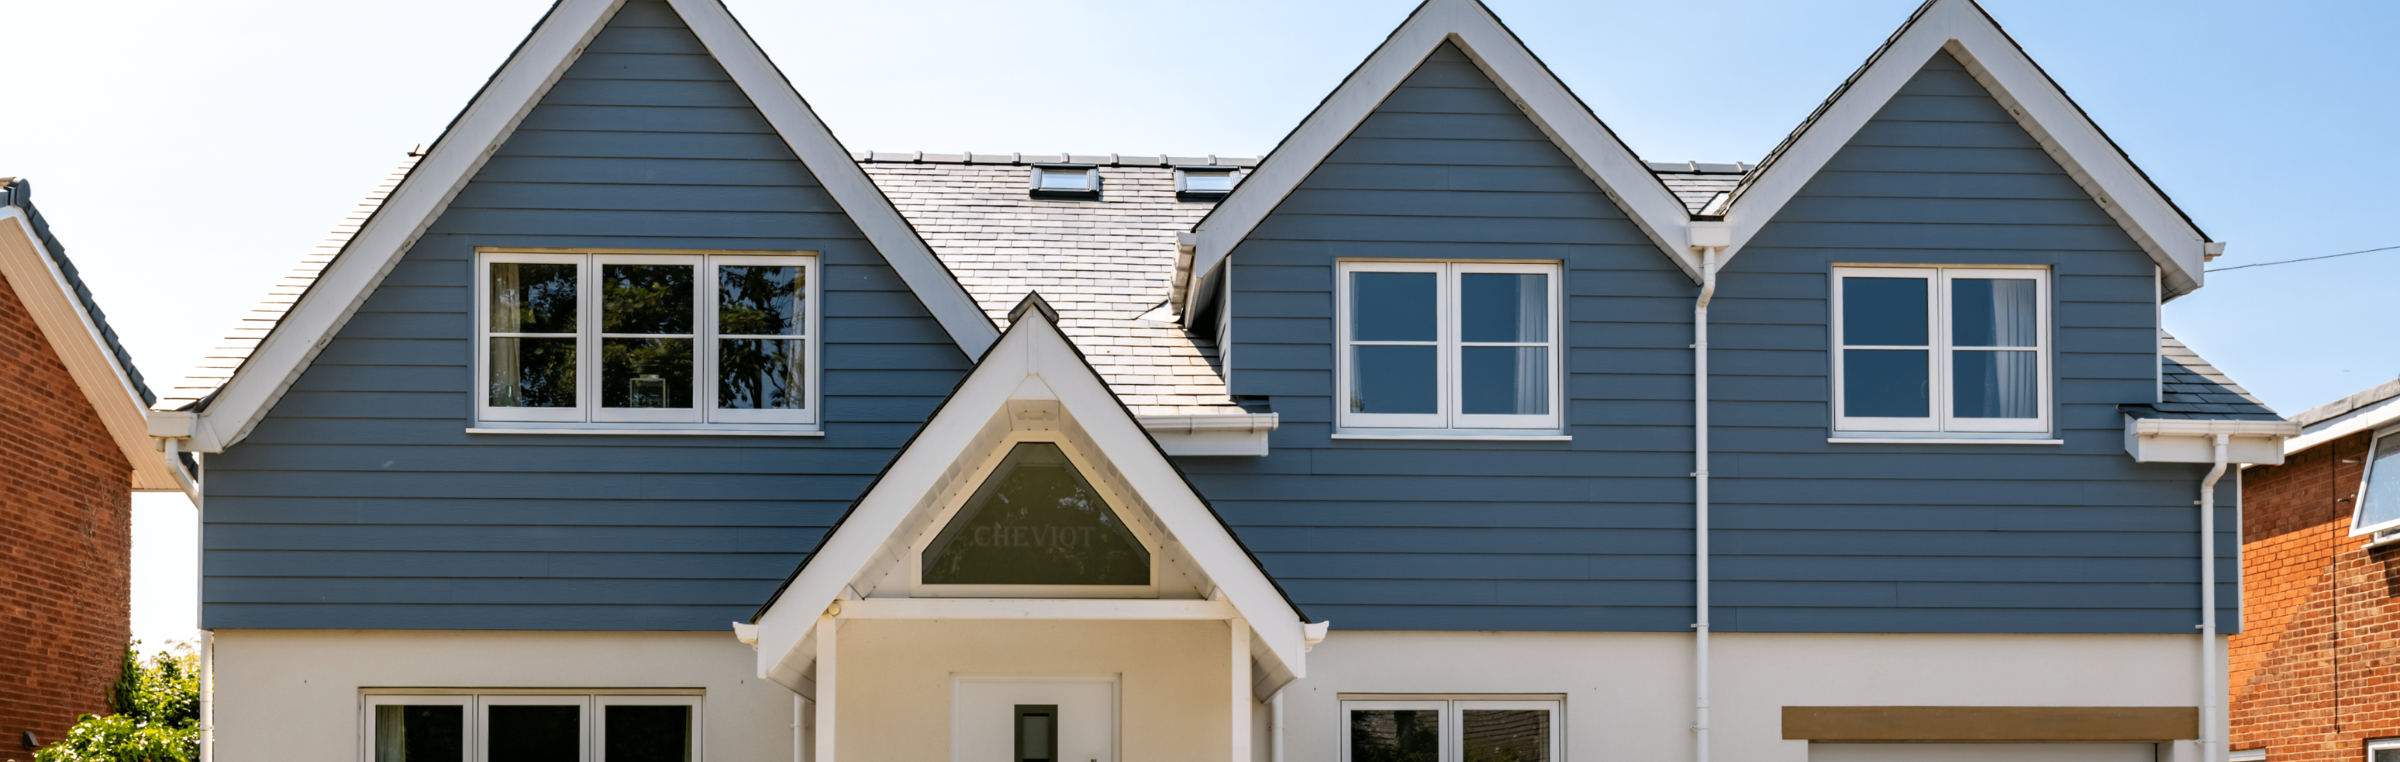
<point>1710,238</point>
<point>2210,696</point>
<point>1218,434</point>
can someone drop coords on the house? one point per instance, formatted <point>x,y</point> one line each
<point>639,419</point>
<point>77,448</point>
<point>2311,680</point>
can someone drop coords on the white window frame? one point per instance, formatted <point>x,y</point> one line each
<point>1453,709</point>
<point>587,414</point>
<point>2358,502</point>
<point>475,703</point>
<point>1137,523</point>
<point>2380,744</point>
<point>1940,353</point>
<point>1449,352</point>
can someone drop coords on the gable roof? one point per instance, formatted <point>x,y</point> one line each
<point>2065,132</point>
<point>1545,100</point>
<point>35,266</point>
<point>335,293</point>
<point>1033,377</point>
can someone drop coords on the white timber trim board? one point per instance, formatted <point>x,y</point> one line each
<point>1943,441</point>
<point>2066,133</point>
<point>1034,608</point>
<point>676,432</point>
<point>33,273</point>
<point>1032,361</point>
<point>1441,437</point>
<point>487,122</point>
<point>2164,440</point>
<point>1467,23</point>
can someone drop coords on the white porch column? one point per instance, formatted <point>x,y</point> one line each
<point>1240,673</point>
<point>826,626</point>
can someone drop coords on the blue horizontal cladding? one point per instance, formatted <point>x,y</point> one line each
<point>362,502</point>
<point>1435,535</point>
<point>1809,536</point>
<point>2069,538</point>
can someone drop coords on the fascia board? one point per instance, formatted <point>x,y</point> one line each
<point>858,196</point>
<point>42,287</point>
<point>2064,131</point>
<point>2367,418</point>
<point>1211,545</point>
<point>1502,56</point>
<point>859,535</point>
<point>354,274</point>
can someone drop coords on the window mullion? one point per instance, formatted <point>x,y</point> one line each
<point>1938,343</point>
<point>587,337</point>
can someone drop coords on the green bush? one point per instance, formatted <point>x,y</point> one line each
<point>157,714</point>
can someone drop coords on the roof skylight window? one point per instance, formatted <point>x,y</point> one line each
<point>1205,182</point>
<point>1066,180</point>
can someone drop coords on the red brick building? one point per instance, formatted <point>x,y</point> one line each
<point>2316,670</point>
<point>75,448</point>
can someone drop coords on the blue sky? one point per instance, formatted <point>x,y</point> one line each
<point>188,153</point>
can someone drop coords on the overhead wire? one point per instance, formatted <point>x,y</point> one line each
<point>2302,259</point>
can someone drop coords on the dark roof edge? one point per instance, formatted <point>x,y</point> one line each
<point>18,192</point>
<point>2349,404</point>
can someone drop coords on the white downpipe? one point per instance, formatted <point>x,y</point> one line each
<point>1708,290</point>
<point>208,708</point>
<point>1275,728</point>
<point>2211,699</point>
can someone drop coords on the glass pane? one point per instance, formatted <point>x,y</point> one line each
<point>532,298</point>
<point>2382,501</point>
<point>1995,384</point>
<point>1886,312</point>
<point>1037,732</point>
<point>1207,181</point>
<point>1036,521</point>
<point>1991,312</point>
<point>2387,755</point>
<point>647,734</point>
<point>532,373</point>
<point>1504,307</point>
<point>761,301</point>
<point>646,373</point>
<point>1065,179</point>
<point>1885,383</point>
<point>1394,379</point>
<point>1506,735</point>
<point>761,374</point>
<point>420,733</point>
<point>526,733</point>
<point>1395,735</point>
<point>1505,380</point>
<point>646,299</point>
<point>1393,306</point>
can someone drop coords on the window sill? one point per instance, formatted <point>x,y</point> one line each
<point>1438,436</point>
<point>1944,440</point>
<point>2384,541</point>
<point>663,432</point>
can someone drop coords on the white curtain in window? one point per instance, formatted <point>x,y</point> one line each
<point>2015,324</point>
<point>507,317</point>
<point>1533,319</point>
<point>391,734</point>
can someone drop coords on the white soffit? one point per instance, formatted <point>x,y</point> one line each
<point>29,270</point>
<point>1527,81</point>
<point>1032,347</point>
<point>486,123</point>
<point>2065,132</point>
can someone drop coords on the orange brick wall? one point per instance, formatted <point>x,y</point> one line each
<point>66,533</point>
<point>2313,673</point>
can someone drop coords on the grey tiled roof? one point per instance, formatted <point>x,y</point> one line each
<point>1695,183</point>
<point>2338,408</point>
<point>18,193</point>
<point>2194,389</point>
<point>1102,263</point>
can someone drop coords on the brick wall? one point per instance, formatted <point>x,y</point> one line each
<point>2314,672</point>
<point>66,533</point>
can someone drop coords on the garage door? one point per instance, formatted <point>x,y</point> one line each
<point>1982,752</point>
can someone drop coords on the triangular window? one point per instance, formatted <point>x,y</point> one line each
<point>1036,521</point>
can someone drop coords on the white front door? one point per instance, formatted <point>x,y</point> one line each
<point>1033,719</point>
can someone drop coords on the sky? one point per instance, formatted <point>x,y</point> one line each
<point>186,154</point>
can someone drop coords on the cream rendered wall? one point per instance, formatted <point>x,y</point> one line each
<point>294,694</point>
<point>1629,695</point>
<point>893,699</point>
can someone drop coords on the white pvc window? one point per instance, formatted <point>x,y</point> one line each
<point>2383,750</point>
<point>643,340</point>
<point>1451,730</point>
<point>1448,345</point>
<point>1205,181</point>
<point>1066,179</point>
<point>2379,491</point>
<point>1941,349</point>
<point>523,727</point>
